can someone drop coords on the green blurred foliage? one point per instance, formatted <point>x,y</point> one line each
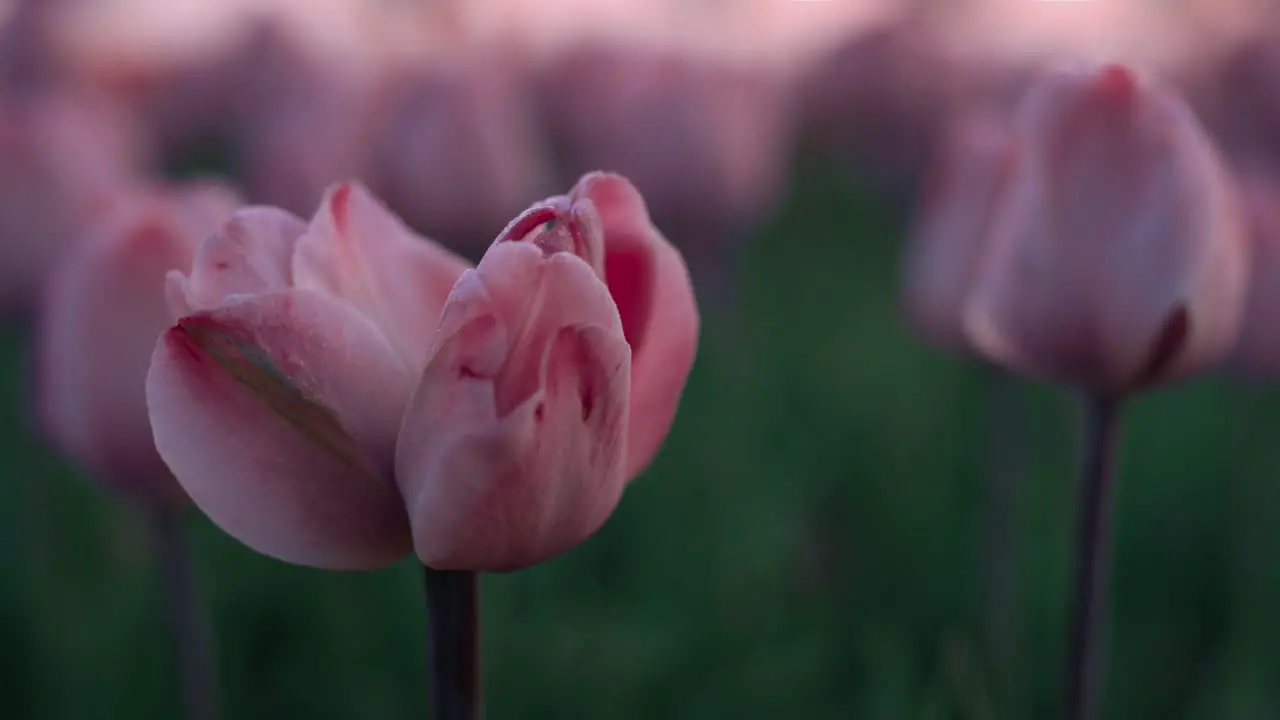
<point>807,545</point>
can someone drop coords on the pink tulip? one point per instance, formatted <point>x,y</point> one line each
<point>317,381</point>
<point>277,397</point>
<point>103,310</point>
<point>1118,258</point>
<point>1257,351</point>
<point>953,222</point>
<point>550,389</point>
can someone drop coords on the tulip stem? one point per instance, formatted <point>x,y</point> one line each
<point>1093,551</point>
<point>453,626</point>
<point>186,616</point>
<point>1004,478</point>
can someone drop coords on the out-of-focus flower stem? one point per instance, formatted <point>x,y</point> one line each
<point>1005,467</point>
<point>1090,594</point>
<point>453,641</point>
<point>187,619</point>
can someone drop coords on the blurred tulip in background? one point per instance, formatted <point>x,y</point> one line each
<point>102,313</point>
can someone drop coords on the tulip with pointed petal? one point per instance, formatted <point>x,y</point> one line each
<point>104,307</point>
<point>561,360</point>
<point>277,397</point>
<point>1116,262</point>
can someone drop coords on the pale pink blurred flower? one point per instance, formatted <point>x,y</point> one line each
<point>1118,258</point>
<point>104,308</point>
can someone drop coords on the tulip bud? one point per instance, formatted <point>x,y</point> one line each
<point>550,388</point>
<point>104,308</point>
<point>1118,258</point>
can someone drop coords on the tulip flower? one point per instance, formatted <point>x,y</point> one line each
<point>561,359</point>
<point>335,394</point>
<point>277,397</point>
<point>1116,262</point>
<point>525,428</point>
<point>104,307</point>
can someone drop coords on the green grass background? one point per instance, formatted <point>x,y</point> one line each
<point>807,545</point>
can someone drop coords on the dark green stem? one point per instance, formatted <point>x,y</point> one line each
<point>187,620</point>
<point>1086,658</point>
<point>1005,453</point>
<point>453,624</point>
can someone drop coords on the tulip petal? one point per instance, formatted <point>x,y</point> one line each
<point>500,493</point>
<point>650,284</point>
<point>278,414</point>
<point>358,250</point>
<point>560,224</point>
<point>250,254</point>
